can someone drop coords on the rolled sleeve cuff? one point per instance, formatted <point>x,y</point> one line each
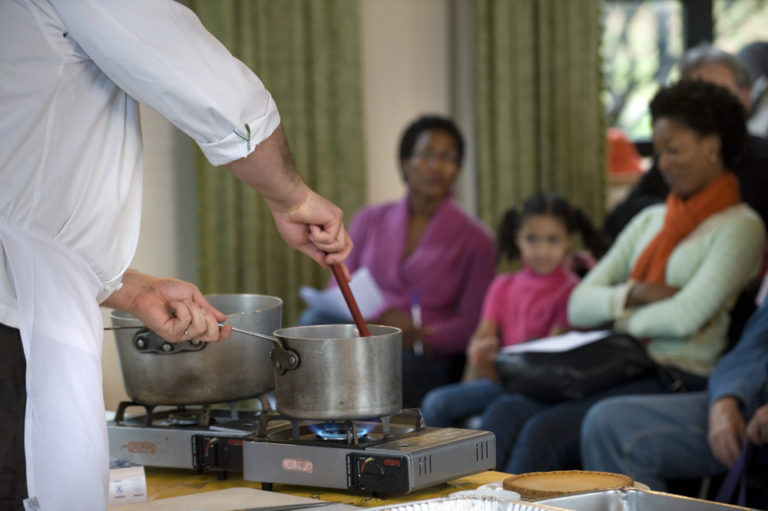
<point>240,142</point>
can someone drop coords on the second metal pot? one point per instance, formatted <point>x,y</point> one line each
<point>156,372</point>
<point>340,374</point>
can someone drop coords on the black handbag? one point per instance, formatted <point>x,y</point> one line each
<point>576,373</point>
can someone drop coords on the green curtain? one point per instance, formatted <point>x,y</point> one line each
<point>307,54</point>
<point>540,122</point>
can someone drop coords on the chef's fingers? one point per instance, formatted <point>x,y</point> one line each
<point>333,241</point>
<point>177,325</point>
<point>203,325</point>
<point>187,322</point>
<point>213,333</point>
<point>200,301</point>
<point>196,329</point>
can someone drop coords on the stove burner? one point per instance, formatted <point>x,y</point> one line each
<point>181,416</point>
<point>342,430</point>
<point>187,418</point>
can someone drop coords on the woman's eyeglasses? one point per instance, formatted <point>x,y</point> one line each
<point>449,158</point>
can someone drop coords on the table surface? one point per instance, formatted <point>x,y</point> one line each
<point>164,483</point>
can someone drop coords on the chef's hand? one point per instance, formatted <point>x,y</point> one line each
<point>726,430</point>
<point>306,221</point>
<point>314,227</point>
<point>173,309</point>
<point>757,428</point>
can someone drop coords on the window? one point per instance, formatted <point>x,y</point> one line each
<point>641,44</point>
<point>739,22</point>
<point>643,39</point>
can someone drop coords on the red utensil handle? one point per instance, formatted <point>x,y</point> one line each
<point>338,272</point>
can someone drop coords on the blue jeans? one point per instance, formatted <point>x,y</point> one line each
<point>533,435</point>
<point>650,438</point>
<point>452,405</point>
<point>422,373</point>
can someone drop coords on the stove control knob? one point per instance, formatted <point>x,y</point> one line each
<point>370,471</point>
<point>167,347</point>
<point>387,474</point>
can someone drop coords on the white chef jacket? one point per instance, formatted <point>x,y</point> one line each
<point>71,74</point>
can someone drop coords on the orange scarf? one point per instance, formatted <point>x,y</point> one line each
<point>682,217</point>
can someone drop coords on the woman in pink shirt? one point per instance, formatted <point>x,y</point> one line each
<point>425,254</point>
<point>528,304</point>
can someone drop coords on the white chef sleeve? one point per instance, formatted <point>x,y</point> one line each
<point>159,53</point>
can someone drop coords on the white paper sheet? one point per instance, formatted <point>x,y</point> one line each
<point>365,290</point>
<point>563,342</point>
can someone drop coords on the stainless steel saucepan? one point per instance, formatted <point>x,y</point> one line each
<point>156,372</point>
<point>330,372</point>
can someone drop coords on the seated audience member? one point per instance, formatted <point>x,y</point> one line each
<point>709,64</point>
<point>670,278</point>
<point>755,57</point>
<point>424,247</point>
<point>528,304</point>
<point>690,435</point>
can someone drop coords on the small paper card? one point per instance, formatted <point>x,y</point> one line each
<point>127,482</point>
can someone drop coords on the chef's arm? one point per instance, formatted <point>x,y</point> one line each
<point>174,309</point>
<point>306,221</point>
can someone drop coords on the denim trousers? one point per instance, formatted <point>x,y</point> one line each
<point>451,405</point>
<point>651,438</point>
<point>534,435</point>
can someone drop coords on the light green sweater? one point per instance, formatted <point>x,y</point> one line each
<point>710,266</point>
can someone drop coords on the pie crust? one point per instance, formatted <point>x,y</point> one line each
<point>540,485</point>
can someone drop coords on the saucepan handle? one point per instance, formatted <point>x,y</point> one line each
<point>283,359</point>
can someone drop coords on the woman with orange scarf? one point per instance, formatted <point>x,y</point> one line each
<point>670,279</point>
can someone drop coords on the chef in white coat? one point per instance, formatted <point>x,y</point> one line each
<point>72,73</point>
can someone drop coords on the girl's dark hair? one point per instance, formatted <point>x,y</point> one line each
<point>707,109</point>
<point>546,203</point>
<point>427,123</point>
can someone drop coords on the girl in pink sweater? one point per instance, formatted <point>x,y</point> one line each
<point>528,304</point>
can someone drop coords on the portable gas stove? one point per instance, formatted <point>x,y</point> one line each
<point>195,437</point>
<point>385,455</point>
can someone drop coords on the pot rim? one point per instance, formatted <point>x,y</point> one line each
<point>379,330</point>
<point>278,302</point>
